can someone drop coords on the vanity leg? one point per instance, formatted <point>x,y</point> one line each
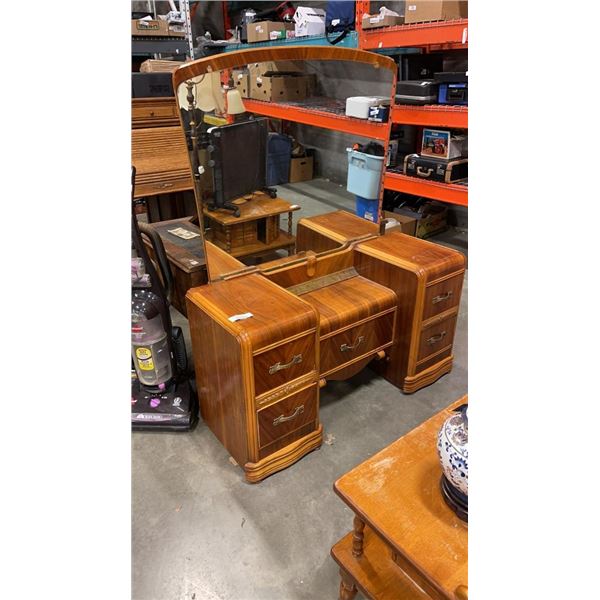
<point>347,588</point>
<point>357,538</point>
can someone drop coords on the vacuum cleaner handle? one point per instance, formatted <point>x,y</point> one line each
<point>161,257</point>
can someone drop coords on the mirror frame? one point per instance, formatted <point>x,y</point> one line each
<point>241,58</point>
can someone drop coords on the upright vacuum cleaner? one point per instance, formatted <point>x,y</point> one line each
<point>161,394</point>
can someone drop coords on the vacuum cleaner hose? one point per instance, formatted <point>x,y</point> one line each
<point>161,257</point>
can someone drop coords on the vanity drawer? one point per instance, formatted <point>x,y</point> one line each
<point>287,415</point>
<point>442,295</point>
<point>355,342</point>
<point>284,363</point>
<point>436,336</point>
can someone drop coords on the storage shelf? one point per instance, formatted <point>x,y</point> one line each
<point>350,41</point>
<point>431,115</point>
<point>445,192</point>
<point>318,118</point>
<point>435,33</point>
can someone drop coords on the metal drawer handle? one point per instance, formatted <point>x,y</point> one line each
<point>441,297</point>
<point>357,343</point>
<point>424,172</point>
<point>279,367</point>
<point>436,338</point>
<point>282,419</point>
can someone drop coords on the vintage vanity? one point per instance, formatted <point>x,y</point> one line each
<point>267,337</point>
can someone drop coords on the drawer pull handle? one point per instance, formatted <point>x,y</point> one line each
<point>441,297</point>
<point>436,338</point>
<point>357,343</point>
<point>297,358</point>
<point>282,419</point>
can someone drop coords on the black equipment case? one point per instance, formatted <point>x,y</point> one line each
<point>450,171</point>
<point>454,88</point>
<point>419,91</point>
<point>152,85</point>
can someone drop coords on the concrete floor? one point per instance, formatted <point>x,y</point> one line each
<point>200,532</point>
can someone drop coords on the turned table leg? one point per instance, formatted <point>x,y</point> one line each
<point>228,239</point>
<point>347,588</point>
<point>290,220</point>
<point>357,538</point>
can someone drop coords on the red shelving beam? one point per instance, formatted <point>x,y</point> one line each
<point>318,118</point>
<point>446,192</point>
<point>432,115</point>
<point>447,34</point>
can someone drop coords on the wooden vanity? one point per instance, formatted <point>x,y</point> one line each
<point>267,338</point>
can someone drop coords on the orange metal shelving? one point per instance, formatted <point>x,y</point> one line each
<point>451,193</point>
<point>432,115</point>
<point>445,34</point>
<point>318,118</point>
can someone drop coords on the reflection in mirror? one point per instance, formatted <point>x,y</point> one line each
<point>282,148</point>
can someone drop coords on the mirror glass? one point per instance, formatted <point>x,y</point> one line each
<point>276,142</point>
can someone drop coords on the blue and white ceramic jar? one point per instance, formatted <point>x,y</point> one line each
<point>452,446</point>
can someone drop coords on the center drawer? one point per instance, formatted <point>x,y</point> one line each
<point>287,415</point>
<point>281,364</point>
<point>356,342</point>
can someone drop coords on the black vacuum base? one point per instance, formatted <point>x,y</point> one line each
<point>458,502</point>
<point>173,409</point>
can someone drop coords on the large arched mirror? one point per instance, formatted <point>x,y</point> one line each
<point>259,124</point>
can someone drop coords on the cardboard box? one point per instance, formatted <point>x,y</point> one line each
<point>401,223</point>
<point>311,84</point>
<point>261,31</point>
<point>301,169</point>
<point>373,21</point>
<point>158,28</point>
<point>278,87</point>
<point>275,66</point>
<point>309,21</point>
<point>418,11</point>
<point>241,80</point>
<point>442,145</point>
<point>431,221</point>
<point>147,28</point>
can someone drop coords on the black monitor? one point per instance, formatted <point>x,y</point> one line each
<point>239,160</point>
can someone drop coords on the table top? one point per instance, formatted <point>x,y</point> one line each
<point>187,254</point>
<point>397,492</point>
<point>341,225</point>
<point>252,207</point>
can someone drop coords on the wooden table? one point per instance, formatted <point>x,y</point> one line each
<point>407,543</point>
<point>256,231</point>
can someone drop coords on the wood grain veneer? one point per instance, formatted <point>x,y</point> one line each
<point>288,415</point>
<point>220,262</point>
<point>411,266</point>
<point>331,230</point>
<point>232,360</point>
<point>240,58</point>
<point>283,363</point>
